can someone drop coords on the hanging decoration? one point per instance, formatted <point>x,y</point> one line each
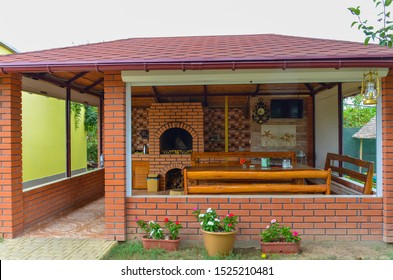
<point>261,113</point>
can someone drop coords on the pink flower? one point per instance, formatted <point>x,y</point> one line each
<point>136,220</point>
<point>267,226</point>
<point>295,233</point>
<point>273,221</point>
<point>166,220</point>
<point>195,209</point>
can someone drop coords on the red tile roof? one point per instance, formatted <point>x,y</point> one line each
<point>216,50</point>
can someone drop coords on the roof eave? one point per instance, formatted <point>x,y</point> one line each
<point>191,65</point>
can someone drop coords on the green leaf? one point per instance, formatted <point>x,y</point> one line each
<point>355,11</point>
<point>366,41</point>
<point>353,23</point>
<point>388,2</point>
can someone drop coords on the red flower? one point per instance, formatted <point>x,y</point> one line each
<point>230,225</point>
<point>166,220</point>
<point>177,222</point>
<point>242,161</point>
<point>230,215</point>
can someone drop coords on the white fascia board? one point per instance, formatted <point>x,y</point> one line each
<point>245,76</point>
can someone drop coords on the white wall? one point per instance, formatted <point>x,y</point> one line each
<point>326,125</point>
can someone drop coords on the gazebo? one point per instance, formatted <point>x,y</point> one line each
<point>203,85</point>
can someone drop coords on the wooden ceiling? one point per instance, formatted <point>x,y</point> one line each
<point>209,95</point>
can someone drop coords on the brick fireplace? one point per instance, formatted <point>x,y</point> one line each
<point>181,120</point>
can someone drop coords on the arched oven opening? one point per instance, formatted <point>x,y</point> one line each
<point>174,179</point>
<point>176,141</point>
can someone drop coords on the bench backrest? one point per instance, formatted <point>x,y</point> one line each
<point>364,175</point>
<point>200,158</point>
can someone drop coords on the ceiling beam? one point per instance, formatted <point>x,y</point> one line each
<point>310,88</point>
<point>157,96</point>
<point>205,95</point>
<point>247,107</point>
<point>88,88</point>
<point>76,77</point>
<point>61,82</point>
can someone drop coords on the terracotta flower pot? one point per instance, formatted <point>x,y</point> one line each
<point>280,247</point>
<point>168,245</point>
<point>219,243</point>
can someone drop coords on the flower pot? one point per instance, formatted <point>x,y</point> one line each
<point>218,243</point>
<point>280,247</point>
<point>150,243</point>
<point>168,245</point>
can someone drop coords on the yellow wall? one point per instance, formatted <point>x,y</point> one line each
<point>3,50</point>
<point>44,138</point>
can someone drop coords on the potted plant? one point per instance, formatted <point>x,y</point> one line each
<point>155,236</point>
<point>218,234</point>
<point>279,239</point>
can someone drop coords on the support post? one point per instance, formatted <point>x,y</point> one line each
<point>68,132</point>
<point>226,125</point>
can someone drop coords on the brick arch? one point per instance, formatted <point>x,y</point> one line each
<point>188,128</point>
<point>171,166</point>
<point>181,125</point>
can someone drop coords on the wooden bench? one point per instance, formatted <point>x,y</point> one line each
<point>225,179</point>
<point>209,158</point>
<point>357,183</point>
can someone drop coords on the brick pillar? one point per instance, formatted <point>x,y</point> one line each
<point>387,152</point>
<point>115,156</point>
<point>11,196</point>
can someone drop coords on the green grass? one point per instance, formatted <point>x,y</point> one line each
<point>133,250</point>
<point>311,250</point>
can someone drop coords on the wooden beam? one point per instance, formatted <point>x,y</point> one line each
<point>310,88</point>
<point>76,77</point>
<point>205,96</point>
<point>62,83</point>
<point>86,89</point>
<point>157,97</point>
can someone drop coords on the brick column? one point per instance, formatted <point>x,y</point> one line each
<point>387,155</point>
<point>11,197</point>
<point>115,156</point>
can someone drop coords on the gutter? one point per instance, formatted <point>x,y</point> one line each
<point>193,65</point>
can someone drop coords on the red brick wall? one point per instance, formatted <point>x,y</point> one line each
<point>115,155</point>
<point>11,199</point>
<point>316,218</point>
<point>387,158</point>
<point>49,200</point>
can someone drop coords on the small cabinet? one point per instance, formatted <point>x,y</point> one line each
<point>140,170</point>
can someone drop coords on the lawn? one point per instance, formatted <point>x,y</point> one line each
<point>311,250</point>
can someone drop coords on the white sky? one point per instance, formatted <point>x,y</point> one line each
<point>42,24</point>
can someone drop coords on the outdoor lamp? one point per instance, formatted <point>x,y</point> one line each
<point>371,88</point>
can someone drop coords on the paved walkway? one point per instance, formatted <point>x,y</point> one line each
<point>70,235</point>
<point>54,249</point>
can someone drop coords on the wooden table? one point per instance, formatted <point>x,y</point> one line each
<point>237,179</point>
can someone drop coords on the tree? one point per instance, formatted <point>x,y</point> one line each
<point>355,114</point>
<point>383,32</point>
